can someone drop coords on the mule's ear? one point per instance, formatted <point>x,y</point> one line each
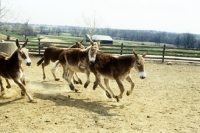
<point>135,54</point>
<point>81,41</point>
<point>91,42</point>
<point>145,54</point>
<point>17,43</point>
<point>25,43</point>
<point>98,42</point>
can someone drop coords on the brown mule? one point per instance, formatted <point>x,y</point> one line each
<point>116,68</point>
<point>10,67</point>
<point>52,54</point>
<point>77,60</point>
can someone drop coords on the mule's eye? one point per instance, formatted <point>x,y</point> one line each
<point>138,64</point>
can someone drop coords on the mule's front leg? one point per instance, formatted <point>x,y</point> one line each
<point>68,75</point>
<point>107,83</point>
<point>132,85</point>
<point>88,79</point>
<point>53,69</point>
<point>18,82</point>
<point>44,76</point>
<point>121,87</point>
<point>8,84</point>
<point>2,88</point>
<point>79,80</point>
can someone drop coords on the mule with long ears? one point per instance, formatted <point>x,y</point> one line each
<point>77,60</point>
<point>10,67</point>
<point>116,68</point>
<point>52,54</point>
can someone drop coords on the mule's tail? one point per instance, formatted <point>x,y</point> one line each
<point>40,61</point>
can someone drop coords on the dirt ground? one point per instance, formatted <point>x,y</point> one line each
<point>167,101</point>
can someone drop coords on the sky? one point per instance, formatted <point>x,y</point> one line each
<point>179,16</point>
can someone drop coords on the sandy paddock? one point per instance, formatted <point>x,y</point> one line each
<point>167,101</point>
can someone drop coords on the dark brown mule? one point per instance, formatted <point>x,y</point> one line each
<point>77,60</point>
<point>52,54</point>
<point>10,67</point>
<point>8,83</point>
<point>117,68</point>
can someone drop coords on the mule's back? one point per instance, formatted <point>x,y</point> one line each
<point>72,56</point>
<point>52,53</point>
<point>110,66</point>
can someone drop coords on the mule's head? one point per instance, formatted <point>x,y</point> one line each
<point>78,45</point>
<point>23,52</point>
<point>93,49</point>
<point>139,64</point>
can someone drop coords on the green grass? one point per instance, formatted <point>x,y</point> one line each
<point>139,47</point>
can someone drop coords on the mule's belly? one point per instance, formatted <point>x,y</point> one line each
<point>75,69</point>
<point>111,76</point>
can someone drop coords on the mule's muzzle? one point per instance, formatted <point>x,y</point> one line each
<point>92,61</point>
<point>142,75</point>
<point>28,63</point>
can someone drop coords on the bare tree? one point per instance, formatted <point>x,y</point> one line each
<point>91,24</point>
<point>25,27</point>
<point>177,40</point>
<point>3,12</point>
<point>58,30</point>
<point>188,40</point>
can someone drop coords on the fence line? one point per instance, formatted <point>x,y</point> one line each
<point>154,52</point>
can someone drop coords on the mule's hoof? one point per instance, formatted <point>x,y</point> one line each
<point>32,101</point>
<point>86,85</point>
<point>117,98</point>
<point>94,86</point>
<point>108,94</point>
<point>127,93</point>
<point>7,86</point>
<point>76,82</point>
<point>71,86</point>
<point>76,90</point>
<point>57,79</point>
<point>22,94</point>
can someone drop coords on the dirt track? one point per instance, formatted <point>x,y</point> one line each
<point>167,101</point>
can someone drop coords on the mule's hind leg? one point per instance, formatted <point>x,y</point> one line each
<point>98,82</point>
<point>53,69</point>
<point>107,83</point>
<point>8,84</point>
<point>45,63</point>
<point>121,87</point>
<point>132,85</point>
<point>79,80</point>
<point>67,75</point>
<point>18,82</point>
<point>23,80</point>
<point>2,88</point>
<point>88,79</point>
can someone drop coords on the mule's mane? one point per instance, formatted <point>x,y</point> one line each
<point>10,56</point>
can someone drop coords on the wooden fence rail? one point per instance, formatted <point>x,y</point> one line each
<point>154,52</point>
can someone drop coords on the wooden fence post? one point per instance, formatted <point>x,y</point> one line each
<point>121,49</point>
<point>39,45</point>
<point>163,55</point>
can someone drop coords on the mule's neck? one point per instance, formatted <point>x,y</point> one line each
<point>14,60</point>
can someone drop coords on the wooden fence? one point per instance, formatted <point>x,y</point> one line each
<point>155,52</point>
